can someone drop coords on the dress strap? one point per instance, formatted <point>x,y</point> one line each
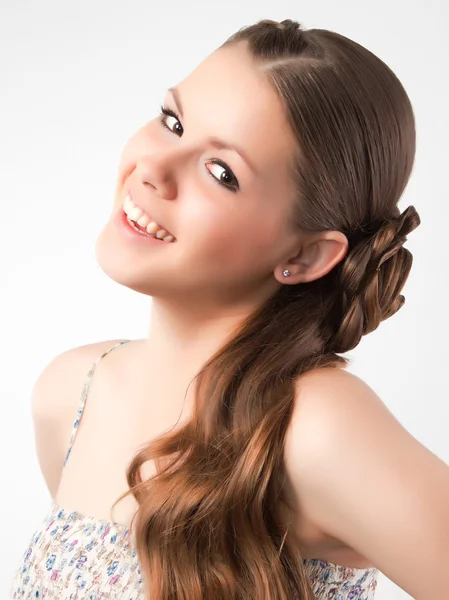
<point>84,396</point>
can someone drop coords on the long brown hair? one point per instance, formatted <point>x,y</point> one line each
<point>208,524</point>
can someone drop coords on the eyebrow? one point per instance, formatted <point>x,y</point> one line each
<point>213,140</point>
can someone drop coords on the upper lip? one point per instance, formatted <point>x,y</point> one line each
<point>149,214</point>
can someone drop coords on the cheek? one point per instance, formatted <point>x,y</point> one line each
<point>217,232</point>
<point>137,145</point>
<point>233,242</point>
<point>131,150</point>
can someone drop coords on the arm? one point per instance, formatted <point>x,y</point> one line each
<point>362,478</point>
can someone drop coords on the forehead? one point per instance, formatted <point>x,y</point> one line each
<point>229,97</point>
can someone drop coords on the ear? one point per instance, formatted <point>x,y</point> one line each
<point>318,254</point>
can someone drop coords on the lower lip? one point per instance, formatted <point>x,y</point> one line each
<point>126,229</point>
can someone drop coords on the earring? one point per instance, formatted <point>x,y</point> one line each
<point>286,273</point>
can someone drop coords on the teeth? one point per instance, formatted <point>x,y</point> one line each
<point>167,239</point>
<point>152,227</point>
<point>143,221</point>
<point>136,214</point>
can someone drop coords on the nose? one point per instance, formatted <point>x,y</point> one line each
<point>161,169</point>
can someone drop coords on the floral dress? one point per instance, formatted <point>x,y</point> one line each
<point>77,557</point>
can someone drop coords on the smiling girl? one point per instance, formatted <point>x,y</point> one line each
<point>228,454</point>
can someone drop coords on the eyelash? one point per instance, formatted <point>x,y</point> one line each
<point>170,113</point>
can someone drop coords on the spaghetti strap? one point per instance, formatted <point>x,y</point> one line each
<point>84,396</point>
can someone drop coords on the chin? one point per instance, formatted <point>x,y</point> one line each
<point>125,268</point>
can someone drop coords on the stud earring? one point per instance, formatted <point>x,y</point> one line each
<point>286,273</point>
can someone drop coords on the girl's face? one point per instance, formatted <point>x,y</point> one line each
<point>215,176</point>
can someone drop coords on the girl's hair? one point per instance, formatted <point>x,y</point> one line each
<point>208,524</point>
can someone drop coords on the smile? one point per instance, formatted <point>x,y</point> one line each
<point>143,223</point>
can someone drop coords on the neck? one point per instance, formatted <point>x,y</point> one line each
<point>183,339</point>
<point>183,335</point>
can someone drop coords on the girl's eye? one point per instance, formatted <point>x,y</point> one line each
<point>233,185</point>
<point>169,113</point>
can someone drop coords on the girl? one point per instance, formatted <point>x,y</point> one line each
<point>229,454</point>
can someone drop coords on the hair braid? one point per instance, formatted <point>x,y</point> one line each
<point>372,277</point>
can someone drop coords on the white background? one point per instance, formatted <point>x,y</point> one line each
<point>76,80</point>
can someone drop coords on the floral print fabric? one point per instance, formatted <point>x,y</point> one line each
<point>73,556</point>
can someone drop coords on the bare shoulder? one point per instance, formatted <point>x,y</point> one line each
<point>330,403</point>
<point>54,400</point>
<point>362,478</point>
<point>333,396</point>
<point>62,378</point>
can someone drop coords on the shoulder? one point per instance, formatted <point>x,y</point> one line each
<point>334,436</point>
<point>353,468</point>
<point>54,400</point>
<point>63,376</point>
<point>338,430</point>
<point>331,398</point>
